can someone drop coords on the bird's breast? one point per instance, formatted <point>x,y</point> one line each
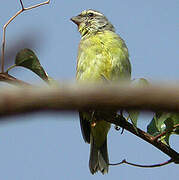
<point>94,60</point>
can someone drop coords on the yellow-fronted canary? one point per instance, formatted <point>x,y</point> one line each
<point>102,55</point>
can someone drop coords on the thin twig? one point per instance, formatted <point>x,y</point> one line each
<point>22,5</point>
<point>37,5</point>
<point>121,121</point>
<point>142,166</point>
<point>164,133</point>
<point>5,77</point>
<point>10,20</point>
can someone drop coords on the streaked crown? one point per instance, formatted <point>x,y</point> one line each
<point>91,21</point>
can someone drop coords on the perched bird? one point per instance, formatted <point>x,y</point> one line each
<point>102,56</point>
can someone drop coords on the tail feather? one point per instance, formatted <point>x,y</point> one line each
<point>103,158</point>
<point>99,160</point>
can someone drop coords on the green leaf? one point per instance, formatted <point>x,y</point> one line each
<point>175,119</point>
<point>141,82</point>
<point>27,59</point>
<point>152,128</point>
<point>169,127</point>
<point>157,126</point>
<point>133,115</point>
<point>52,82</point>
<point>164,122</point>
<point>160,119</point>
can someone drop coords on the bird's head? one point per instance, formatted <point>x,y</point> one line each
<point>91,21</point>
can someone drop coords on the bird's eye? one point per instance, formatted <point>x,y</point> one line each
<point>90,14</point>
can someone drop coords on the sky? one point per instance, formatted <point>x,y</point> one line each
<point>50,145</point>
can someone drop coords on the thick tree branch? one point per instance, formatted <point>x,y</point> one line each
<point>103,97</point>
<point>89,96</point>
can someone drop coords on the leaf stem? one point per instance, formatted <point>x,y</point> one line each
<point>11,67</point>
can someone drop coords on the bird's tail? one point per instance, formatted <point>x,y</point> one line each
<point>99,160</point>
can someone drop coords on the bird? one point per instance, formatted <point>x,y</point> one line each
<point>102,57</point>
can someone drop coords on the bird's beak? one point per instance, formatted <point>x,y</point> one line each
<point>77,20</point>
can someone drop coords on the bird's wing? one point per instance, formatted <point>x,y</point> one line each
<point>120,64</point>
<point>85,127</point>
